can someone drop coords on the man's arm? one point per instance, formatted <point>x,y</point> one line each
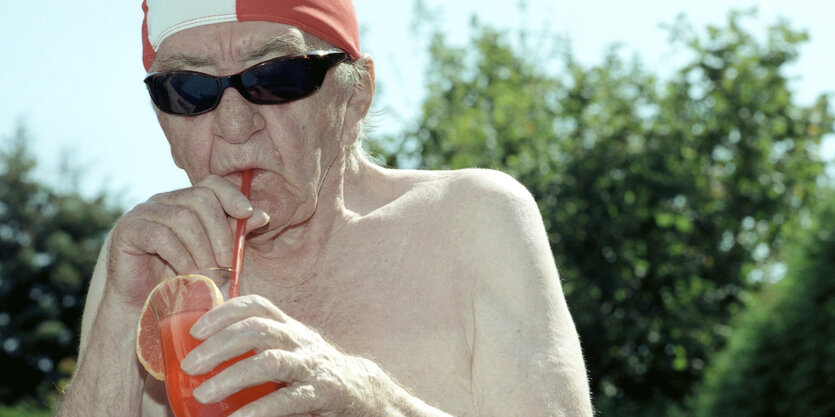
<point>526,352</point>
<point>108,380</point>
<point>172,233</point>
<point>93,299</point>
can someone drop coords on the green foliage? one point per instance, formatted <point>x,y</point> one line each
<point>24,411</point>
<point>779,360</point>
<point>662,200</point>
<point>49,242</point>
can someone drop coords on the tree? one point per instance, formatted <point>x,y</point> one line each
<point>49,242</point>
<point>663,200</point>
<point>779,361</point>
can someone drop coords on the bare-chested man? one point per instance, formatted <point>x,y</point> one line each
<point>372,292</point>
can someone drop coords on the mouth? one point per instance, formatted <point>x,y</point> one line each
<point>236,176</point>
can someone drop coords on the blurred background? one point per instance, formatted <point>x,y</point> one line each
<point>681,153</point>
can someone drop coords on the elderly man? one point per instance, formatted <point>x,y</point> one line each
<point>369,291</point>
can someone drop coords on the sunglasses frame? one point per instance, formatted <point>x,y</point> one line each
<point>327,58</point>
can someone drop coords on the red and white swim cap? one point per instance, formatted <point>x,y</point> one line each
<point>334,21</point>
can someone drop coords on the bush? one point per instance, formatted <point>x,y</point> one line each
<point>781,359</point>
<point>24,410</point>
<point>49,242</point>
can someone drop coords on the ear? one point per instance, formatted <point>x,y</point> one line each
<point>359,103</point>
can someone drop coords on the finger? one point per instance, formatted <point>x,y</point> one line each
<point>145,236</point>
<point>200,211</point>
<point>135,239</point>
<point>237,206</point>
<point>297,399</point>
<point>233,311</point>
<point>258,219</point>
<point>189,227</point>
<point>253,333</point>
<point>229,195</point>
<point>275,365</point>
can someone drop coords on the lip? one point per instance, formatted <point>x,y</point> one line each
<point>236,176</point>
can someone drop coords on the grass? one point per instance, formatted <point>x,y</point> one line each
<point>24,411</point>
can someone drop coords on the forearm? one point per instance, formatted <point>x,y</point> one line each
<point>109,380</point>
<point>394,400</point>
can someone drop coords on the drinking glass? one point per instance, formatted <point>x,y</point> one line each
<point>174,324</point>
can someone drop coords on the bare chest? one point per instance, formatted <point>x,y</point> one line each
<point>386,302</point>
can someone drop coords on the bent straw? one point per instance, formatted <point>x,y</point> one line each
<point>238,257</point>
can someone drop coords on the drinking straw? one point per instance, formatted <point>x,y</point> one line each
<point>238,257</point>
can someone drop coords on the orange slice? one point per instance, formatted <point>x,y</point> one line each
<point>181,293</point>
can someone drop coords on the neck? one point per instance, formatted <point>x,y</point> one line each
<point>297,248</point>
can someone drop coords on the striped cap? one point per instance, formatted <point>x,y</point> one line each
<point>333,21</point>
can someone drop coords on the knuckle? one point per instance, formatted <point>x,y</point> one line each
<point>140,232</point>
<point>259,305</point>
<point>316,370</point>
<point>134,217</point>
<point>304,394</point>
<point>163,197</point>
<point>124,224</point>
<point>256,324</point>
<point>272,356</point>
<point>273,362</point>
<point>185,217</point>
<point>263,304</point>
<point>139,208</point>
<point>159,233</point>
<point>157,198</point>
<point>269,309</point>
<point>246,302</point>
<point>327,386</point>
<point>283,366</point>
<point>203,195</point>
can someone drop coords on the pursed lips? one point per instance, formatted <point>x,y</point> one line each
<point>234,176</point>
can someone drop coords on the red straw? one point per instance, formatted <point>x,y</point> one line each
<point>238,257</point>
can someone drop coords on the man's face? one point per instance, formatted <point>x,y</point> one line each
<point>291,146</point>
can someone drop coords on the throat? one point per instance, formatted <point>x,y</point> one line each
<point>306,297</point>
<point>286,265</point>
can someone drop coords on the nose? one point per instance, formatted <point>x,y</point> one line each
<point>235,118</point>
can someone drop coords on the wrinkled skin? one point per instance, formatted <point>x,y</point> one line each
<point>368,291</point>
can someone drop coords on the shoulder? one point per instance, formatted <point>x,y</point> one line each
<point>482,192</point>
<point>491,194</point>
<point>486,234</point>
<point>478,183</point>
<point>491,218</point>
<point>498,209</point>
<point>478,205</point>
<point>480,211</point>
<point>400,192</point>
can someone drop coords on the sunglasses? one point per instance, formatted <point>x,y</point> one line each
<point>279,80</point>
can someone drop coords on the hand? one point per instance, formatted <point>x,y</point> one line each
<point>320,379</point>
<point>175,233</point>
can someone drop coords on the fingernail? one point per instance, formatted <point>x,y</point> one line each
<point>188,363</point>
<point>266,220</point>
<point>204,393</point>
<point>197,331</point>
<point>242,413</point>
<point>243,204</point>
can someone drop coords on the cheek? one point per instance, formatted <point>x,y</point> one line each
<point>297,137</point>
<point>324,136</point>
<point>184,141</point>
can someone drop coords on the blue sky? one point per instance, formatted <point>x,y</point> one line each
<point>72,72</point>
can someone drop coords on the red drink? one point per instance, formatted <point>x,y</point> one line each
<point>176,344</point>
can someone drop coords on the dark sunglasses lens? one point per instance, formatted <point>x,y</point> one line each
<point>284,80</point>
<point>183,93</point>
